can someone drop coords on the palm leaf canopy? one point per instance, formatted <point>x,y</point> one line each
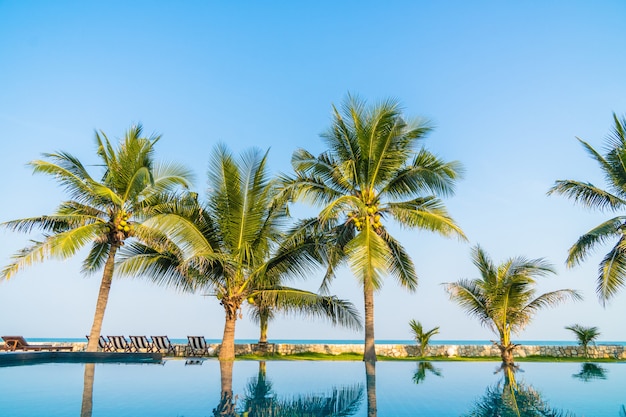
<point>235,244</point>
<point>128,184</point>
<point>612,269</point>
<point>504,297</point>
<point>372,172</point>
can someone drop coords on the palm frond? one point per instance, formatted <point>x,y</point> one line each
<point>587,195</point>
<point>599,235</point>
<point>61,245</point>
<point>426,213</point>
<point>427,174</point>
<point>401,264</point>
<point>368,257</point>
<point>308,304</point>
<point>612,272</point>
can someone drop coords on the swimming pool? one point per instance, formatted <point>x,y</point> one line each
<point>180,388</point>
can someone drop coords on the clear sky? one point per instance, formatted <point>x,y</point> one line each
<point>508,85</point>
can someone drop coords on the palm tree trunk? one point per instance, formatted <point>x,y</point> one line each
<point>227,348</point>
<point>103,299</point>
<point>264,320</point>
<point>369,352</point>
<point>506,353</point>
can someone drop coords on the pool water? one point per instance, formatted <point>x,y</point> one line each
<point>179,388</point>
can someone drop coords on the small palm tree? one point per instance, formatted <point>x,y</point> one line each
<point>422,337</point>
<point>612,271</point>
<point>103,212</point>
<point>375,172</point>
<point>585,335</point>
<point>503,298</point>
<point>265,305</point>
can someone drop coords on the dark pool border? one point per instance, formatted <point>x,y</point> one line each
<point>31,358</point>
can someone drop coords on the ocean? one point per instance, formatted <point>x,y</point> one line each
<point>352,341</point>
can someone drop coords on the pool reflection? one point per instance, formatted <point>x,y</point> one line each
<point>86,407</point>
<point>281,389</point>
<point>511,399</point>
<point>590,371</point>
<point>260,399</point>
<point>424,368</point>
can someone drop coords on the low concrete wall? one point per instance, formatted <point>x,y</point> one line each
<point>401,351</point>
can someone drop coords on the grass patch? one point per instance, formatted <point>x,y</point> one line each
<point>311,356</point>
<point>306,356</point>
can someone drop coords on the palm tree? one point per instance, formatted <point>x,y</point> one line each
<point>422,337</point>
<point>265,306</point>
<point>233,246</point>
<point>103,212</point>
<point>585,335</point>
<point>371,174</point>
<point>612,270</point>
<point>503,298</point>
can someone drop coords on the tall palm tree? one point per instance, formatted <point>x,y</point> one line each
<point>503,298</point>
<point>233,246</point>
<point>612,270</point>
<point>102,212</point>
<point>585,335</point>
<point>422,337</point>
<point>371,174</point>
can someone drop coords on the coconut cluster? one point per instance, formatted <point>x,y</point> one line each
<point>371,217</point>
<point>122,226</point>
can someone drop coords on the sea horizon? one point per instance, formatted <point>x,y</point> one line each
<point>178,340</point>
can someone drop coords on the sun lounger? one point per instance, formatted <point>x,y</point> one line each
<point>196,346</point>
<point>140,343</point>
<point>162,344</point>
<point>14,343</point>
<point>119,343</point>
<point>103,344</point>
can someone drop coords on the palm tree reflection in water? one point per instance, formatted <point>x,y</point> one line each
<point>87,403</point>
<point>513,400</point>
<point>422,368</point>
<point>590,371</point>
<point>260,400</point>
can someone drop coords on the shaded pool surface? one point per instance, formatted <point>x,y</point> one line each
<point>177,388</point>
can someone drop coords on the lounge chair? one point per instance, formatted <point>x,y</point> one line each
<point>103,344</point>
<point>14,343</point>
<point>196,346</point>
<point>162,344</point>
<point>138,343</point>
<point>119,343</point>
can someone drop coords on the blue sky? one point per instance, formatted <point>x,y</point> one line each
<point>507,85</point>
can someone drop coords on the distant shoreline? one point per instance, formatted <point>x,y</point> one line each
<point>353,341</point>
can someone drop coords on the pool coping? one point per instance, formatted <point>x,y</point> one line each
<point>28,358</point>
